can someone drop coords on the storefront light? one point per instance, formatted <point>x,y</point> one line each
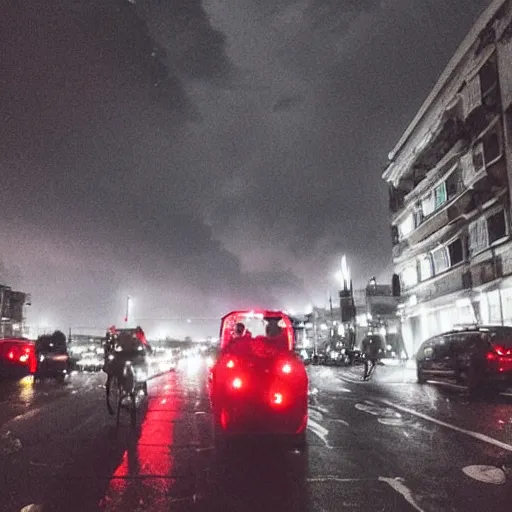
<point>463,303</point>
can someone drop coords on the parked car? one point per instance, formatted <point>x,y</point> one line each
<point>479,357</point>
<point>52,356</point>
<point>17,357</point>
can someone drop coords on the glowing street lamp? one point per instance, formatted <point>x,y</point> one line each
<point>343,275</point>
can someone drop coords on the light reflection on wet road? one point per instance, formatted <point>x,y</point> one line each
<point>60,449</point>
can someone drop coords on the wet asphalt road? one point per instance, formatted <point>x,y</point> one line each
<point>388,445</point>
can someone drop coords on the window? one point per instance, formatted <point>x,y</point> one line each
<point>488,75</point>
<point>441,261</point>
<point>409,276</point>
<point>478,236</point>
<point>496,226</point>
<point>454,183</point>
<point>428,204</point>
<point>468,168</point>
<point>471,96</point>
<point>506,297</point>
<point>442,347</point>
<point>406,226</point>
<point>494,301</point>
<point>418,215</point>
<point>492,147</point>
<point>456,252</point>
<point>425,268</point>
<point>478,158</point>
<point>440,195</point>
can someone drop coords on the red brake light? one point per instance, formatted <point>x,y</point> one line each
<point>237,383</point>
<point>502,351</point>
<point>277,398</point>
<point>230,364</point>
<point>10,355</point>
<point>491,356</point>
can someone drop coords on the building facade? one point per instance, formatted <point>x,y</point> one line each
<point>449,182</point>
<point>12,319</point>
<point>374,311</point>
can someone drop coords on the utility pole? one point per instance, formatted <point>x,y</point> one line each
<point>347,306</point>
<point>332,317</point>
<point>126,317</point>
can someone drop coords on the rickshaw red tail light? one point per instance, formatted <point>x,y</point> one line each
<point>286,368</point>
<point>230,364</point>
<point>237,383</point>
<point>277,398</point>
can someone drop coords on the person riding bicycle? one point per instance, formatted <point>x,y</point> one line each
<point>123,346</point>
<point>372,347</point>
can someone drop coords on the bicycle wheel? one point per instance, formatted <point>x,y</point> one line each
<point>372,369</point>
<point>112,395</point>
<point>129,392</point>
<point>120,396</point>
<point>133,410</point>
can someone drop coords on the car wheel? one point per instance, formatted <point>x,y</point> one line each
<point>420,376</point>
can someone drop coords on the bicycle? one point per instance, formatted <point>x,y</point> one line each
<point>121,389</point>
<point>369,372</point>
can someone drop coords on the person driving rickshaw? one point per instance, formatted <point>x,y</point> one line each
<point>122,346</point>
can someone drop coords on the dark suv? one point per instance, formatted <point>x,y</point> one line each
<point>52,356</point>
<point>477,357</point>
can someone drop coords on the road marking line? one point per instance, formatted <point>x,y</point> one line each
<point>397,485</point>
<point>343,422</point>
<point>331,478</point>
<point>475,435</point>
<point>319,431</point>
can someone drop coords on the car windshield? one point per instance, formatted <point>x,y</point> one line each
<point>255,325</point>
<point>49,344</point>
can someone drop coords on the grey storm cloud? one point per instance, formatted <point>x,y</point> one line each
<point>204,155</point>
<point>287,103</point>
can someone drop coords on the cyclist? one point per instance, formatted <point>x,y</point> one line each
<point>121,347</point>
<point>372,347</point>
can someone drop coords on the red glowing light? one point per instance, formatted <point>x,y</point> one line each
<point>237,383</point>
<point>230,363</point>
<point>277,398</point>
<point>287,368</point>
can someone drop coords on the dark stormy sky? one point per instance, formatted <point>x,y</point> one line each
<point>204,155</point>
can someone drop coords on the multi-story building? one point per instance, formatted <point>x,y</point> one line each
<point>449,180</point>
<point>375,311</point>
<point>12,305</point>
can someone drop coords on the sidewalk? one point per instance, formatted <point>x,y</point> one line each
<point>390,371</point>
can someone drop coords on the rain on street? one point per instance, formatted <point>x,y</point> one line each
<point>385,445</point>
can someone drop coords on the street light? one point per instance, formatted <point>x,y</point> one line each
<point>343,275</point>
<point>127,315</point>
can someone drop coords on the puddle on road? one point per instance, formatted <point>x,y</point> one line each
<point>486,474</point>
<point>9,444</point>
<point>377,410</point>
